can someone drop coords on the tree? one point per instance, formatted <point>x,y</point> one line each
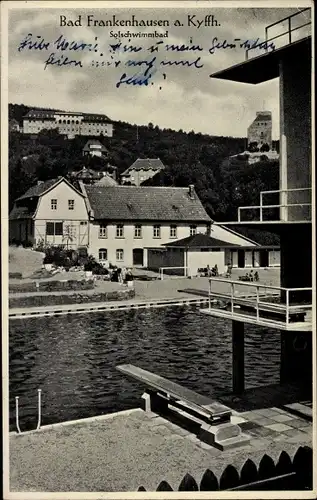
<point>264,148</point>
<point>253,147</point>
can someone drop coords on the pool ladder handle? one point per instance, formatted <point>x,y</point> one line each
<point>39,410</point>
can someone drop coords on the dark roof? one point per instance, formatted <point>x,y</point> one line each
<point>87,173</point>
<point>145,203</point>
<point>145,164</point>
<point>40,113</point>
<point>20,213</point>
<point>88,117</point>
<point>49,114</point>
<point>93,142</point>
<point>39,189</point>
<point>263,238</point>
<point>201,240</point>
<point>263,116</point>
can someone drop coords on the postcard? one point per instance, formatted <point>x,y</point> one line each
<point>158,249</point>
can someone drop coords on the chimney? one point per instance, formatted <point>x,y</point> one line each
<point>191,190</point>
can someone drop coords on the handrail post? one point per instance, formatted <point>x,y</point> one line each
<point>232,295</point>
<point>261,206</point>
<point>39,392</point>
<point>209,294</point>
<point>289,30</point>
<point>257,303</point>
<point>266,47</point>
<point>17,414</point>
<point>287,306</point>
<point>239,215</point>
<point>161,272</point>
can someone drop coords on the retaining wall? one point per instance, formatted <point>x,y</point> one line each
<point>78,298</point>
<point>51,286</point>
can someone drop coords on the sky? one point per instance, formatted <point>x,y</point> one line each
<point>178,97</point>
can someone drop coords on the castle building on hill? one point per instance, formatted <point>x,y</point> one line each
<point>67,122</point>
<point>260,130</point>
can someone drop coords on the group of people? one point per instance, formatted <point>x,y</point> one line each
<point>119,275</point>
<point>251,276</point>
<point>212,271</point>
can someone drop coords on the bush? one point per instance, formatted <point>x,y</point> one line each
<point>48,259</point>
<point>40,246</point>
<point>90,263</point>
<point>61,257</point>
<point>28,244</point>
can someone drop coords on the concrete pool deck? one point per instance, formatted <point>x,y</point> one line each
<point>129,449</point>
<point>167,289</point>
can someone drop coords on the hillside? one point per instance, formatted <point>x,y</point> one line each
<point>190,158</point>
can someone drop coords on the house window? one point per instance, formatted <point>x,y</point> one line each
<point>54,204</point>
<point>192,230</point>
<point>103,231</point>
<point>103,254</point>
<point>71,204</point>
<point>119,254</point>
<point>138,231</point>
<point>119,231</point>
<point>83,223</point>
<point>54,229</point>
<point>157,231</point>
<point>173,231</point>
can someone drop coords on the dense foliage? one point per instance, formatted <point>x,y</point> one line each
<point>221,182</point>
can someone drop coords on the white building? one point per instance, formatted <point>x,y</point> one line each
<point>67,122</point>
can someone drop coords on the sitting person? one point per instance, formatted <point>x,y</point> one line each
<point>256,276</point>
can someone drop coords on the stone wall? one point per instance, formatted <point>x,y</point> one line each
<point>76,298</point>
<point>51,286</point>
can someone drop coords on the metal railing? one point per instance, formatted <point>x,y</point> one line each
<point>39,412</point>
<point>162,269</point>
<point>259,297</point>
<point>284,205</point>
<point>289,31</point>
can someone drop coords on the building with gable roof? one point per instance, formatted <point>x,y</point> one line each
<point>115,223</point>
<point>93,147</point>
<point>53,212</point>
<point>126,221</point>
<point>141,170</point>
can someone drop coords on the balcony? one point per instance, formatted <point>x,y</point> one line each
<point>260,304</point>
<point>293,205</point>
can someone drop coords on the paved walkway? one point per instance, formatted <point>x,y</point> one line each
<point>123,451</point>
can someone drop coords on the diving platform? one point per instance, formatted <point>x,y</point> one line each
<point>261,305</point>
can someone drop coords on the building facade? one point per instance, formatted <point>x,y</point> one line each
<point>121,224</point>
<point>126,220</point>
<point>67,123</point>
<point>141,170</point>
<point>53,213</point>
<point>260,130</point>
<point>93,147</point>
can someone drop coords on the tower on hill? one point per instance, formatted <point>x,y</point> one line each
<point>260,130</point>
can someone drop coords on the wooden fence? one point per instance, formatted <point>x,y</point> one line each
<point>285,474</point>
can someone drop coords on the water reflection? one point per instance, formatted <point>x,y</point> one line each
<point>73,359</point>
